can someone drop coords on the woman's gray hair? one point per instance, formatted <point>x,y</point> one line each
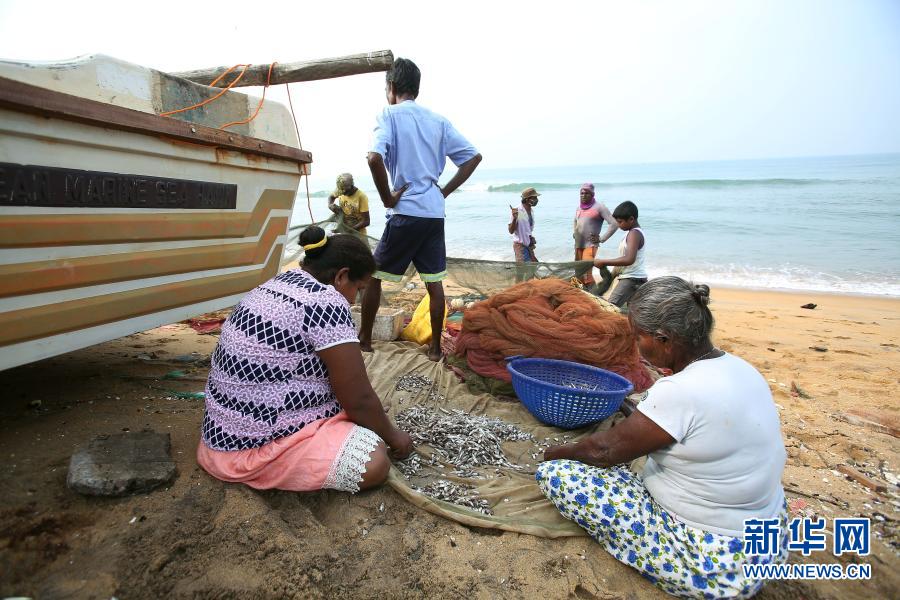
<point>673,307</point>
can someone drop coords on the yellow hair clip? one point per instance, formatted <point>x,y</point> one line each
<point>318,244</point>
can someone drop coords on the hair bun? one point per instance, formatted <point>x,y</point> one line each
<point>701,294</point>
<point>313,240</point>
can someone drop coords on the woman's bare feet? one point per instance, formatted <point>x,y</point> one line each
<point>365,345</point>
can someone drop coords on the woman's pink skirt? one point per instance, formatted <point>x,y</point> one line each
<point>329,453</point>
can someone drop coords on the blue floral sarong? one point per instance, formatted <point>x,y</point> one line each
<point>616,510</point>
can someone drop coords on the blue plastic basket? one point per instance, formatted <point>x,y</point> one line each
<point>567,394</point>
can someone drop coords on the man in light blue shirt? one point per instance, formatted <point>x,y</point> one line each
<point>413,143</point>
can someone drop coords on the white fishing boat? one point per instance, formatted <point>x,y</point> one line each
<point>120,212</point>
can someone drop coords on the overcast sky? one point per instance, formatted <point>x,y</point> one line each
<point>536,83</point>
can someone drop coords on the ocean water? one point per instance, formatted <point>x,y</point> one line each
<point>828,224</point>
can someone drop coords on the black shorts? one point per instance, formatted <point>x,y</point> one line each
<point>416,240</point>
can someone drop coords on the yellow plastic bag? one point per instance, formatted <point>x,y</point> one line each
<point>419,328</point>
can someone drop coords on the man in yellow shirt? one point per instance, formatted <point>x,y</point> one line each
<point>352,201</point>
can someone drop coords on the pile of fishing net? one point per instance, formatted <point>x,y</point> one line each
<point>548,318</point>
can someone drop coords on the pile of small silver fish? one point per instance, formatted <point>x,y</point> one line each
<point>467,473</point>
<point>461,439</point>
<point>412,466</point>
<point>414,383</point>
<point>456,493</point>
<point>589,387</point>
<point>409,466</point>
<point>549,442</point>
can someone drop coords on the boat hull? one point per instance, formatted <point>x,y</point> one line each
<point>105,232</point>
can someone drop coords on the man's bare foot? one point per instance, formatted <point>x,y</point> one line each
<point>365,346</point>
<point>435,354</point>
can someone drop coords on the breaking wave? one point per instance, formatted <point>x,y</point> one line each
<point>675,183</point>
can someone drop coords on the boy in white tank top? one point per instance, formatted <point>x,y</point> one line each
<point>632,273</point>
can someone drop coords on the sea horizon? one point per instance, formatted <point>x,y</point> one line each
<point>821,224</point>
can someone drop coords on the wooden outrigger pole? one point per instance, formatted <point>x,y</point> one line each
<point>324,68</point>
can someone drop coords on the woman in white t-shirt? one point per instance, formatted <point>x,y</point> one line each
<point>715,457</point>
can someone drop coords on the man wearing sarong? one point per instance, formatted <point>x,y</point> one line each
<point>521,227</point>
<point>589,218</point>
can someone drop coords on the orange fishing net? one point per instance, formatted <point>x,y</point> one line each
<point>548,318</point>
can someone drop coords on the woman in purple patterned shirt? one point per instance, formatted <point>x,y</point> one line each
<point>288,401</point>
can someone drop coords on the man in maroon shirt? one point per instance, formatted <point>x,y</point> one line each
<point>589,218</point>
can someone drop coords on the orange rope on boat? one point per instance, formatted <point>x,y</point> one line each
<point>217,96</point>
<point>255,113</point>
<point>308,201</point>
<point>300,142</point>
<point>548,318</point>
<point>287,86</point>
<point>258,106</point>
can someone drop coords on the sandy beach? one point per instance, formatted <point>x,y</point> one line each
<point>833,371</point>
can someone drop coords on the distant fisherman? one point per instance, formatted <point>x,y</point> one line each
<point>352,202</point>
<point>521,227</point>
<point>589,218</point>
<point>629,266</point>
